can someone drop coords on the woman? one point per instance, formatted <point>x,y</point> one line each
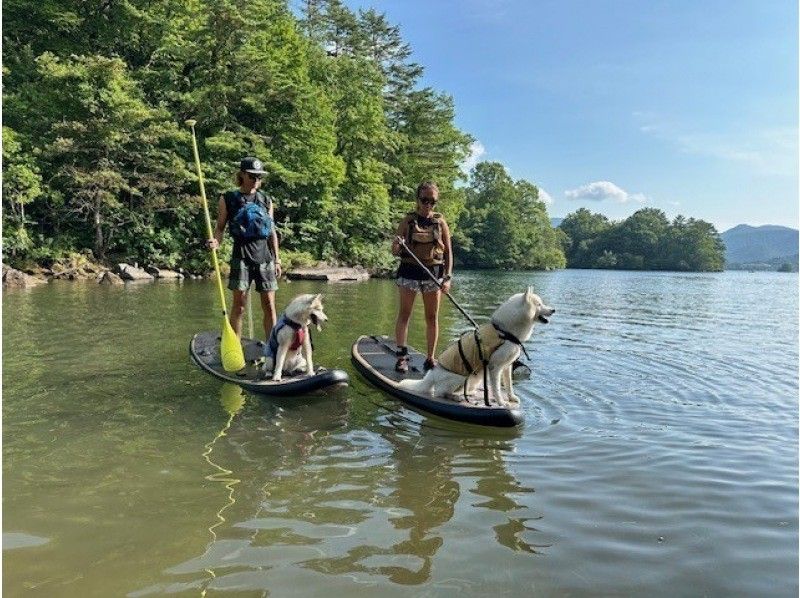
<point>427,235</point>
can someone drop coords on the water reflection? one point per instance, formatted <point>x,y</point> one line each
<point>500,489</point>
<point>232,401</point>
<point>422,498</point>
<point>305,497</point>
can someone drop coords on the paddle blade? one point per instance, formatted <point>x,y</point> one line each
<point>232,398</point>
<point>231,349</point>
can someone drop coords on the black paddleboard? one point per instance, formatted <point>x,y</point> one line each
<point>375,356</point>
<point>204,350</point>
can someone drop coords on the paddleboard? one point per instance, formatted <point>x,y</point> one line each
<point>375,357</point>
<point>204,351</point>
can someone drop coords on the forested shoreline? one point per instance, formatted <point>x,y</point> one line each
<point>96,159</point>
<point>646,240</point>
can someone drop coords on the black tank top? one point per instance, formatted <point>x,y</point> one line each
<point>255,251</point>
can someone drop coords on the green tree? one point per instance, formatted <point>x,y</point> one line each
<point>22,184</point>
<point>646,240</point>
<point>638,240</point>
<point>694,245</point>
<point>363,138</point>
<point>504,224</point>
<point>582,233</point>
<point>114,157</point>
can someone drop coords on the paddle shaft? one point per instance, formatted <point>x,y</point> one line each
<point>209,230</point>
<point>438,284</point>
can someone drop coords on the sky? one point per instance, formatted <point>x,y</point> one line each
<point>690,107</point>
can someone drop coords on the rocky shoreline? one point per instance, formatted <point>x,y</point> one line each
<point>123,273</point>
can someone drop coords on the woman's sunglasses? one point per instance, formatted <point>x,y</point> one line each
<point>428,201</point>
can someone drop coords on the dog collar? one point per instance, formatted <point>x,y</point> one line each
<point>292,324</point>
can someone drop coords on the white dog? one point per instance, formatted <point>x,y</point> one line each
<point>500,344</point>
<point>289,347</point>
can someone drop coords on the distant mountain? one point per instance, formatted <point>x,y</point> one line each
<point>768,244</point>
<point>554,222</point>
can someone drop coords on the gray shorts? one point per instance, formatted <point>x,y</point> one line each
<point>244,274</point>
<point>420,286</point>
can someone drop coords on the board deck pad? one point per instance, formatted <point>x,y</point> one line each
<point>375,358</point>
<point>204,350</point>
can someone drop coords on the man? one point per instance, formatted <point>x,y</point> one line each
<point>248,213</point>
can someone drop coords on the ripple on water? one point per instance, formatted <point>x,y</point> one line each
<point>659,452</point>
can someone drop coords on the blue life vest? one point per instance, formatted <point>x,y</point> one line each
<point>251,219</point>
<point>271,349</point>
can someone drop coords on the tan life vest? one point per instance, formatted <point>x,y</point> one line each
<point>452,360</point>
<point>425,242</point>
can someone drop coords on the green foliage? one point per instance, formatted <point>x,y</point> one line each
<point>296,259</point>
<point>22,184</point>
<point>582,229</point>
<point>96,156</point>
<point>504,224</point>
<point>644,241</point>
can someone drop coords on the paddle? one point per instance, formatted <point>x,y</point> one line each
<point>402,243</point>
<point>519,369</point>
<point>230,348</point>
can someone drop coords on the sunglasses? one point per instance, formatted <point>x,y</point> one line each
<point>428,201</point>
<point>253,177</point>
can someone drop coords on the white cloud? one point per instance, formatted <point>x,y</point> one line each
<point>545,197</point>
<point>476,152</point>
<point>604,191</point>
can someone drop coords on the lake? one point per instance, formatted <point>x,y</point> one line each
<point>659,454</point>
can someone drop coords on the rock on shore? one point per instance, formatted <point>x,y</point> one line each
<point>108,277</point>
<point>329,274</point>
<point>128,272</point>
<point>15,279</point>
<point>163,274</point>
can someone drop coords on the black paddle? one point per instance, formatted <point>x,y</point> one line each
<point>402,243</point>
<point>518,363</point>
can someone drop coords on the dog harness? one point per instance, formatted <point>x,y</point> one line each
<point>469,355</point>
<point>271,350</point>
<point>472,351</point>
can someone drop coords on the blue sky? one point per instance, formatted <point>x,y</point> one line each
<point>690,107</point>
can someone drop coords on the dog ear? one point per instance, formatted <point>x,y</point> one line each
<point>318,297</point>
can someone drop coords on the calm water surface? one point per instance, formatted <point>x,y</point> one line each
<point>658,457</point>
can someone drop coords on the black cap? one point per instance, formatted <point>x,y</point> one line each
<point>252,165</point>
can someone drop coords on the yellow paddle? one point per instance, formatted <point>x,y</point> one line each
<point>231,347</point>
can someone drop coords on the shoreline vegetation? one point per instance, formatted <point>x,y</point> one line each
<point>97,168</point>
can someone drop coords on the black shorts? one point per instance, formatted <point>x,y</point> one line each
<point>243,274</point>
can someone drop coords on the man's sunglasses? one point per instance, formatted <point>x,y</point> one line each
<point>253,177</point>
<point>428,201</point>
